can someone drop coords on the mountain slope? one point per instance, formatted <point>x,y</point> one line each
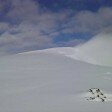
<point>50,82</point>
<point>95,51</point>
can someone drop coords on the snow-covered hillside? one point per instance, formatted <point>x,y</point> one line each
<point>47,82</point>
<point>97,51</point>
<point>53,80</point>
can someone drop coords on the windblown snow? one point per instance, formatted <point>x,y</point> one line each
<point>58,80</point>
<point>96,51</point>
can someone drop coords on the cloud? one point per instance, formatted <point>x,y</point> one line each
<point>4,26</point>
<point>23,10</point>
<point>33,29</point>
<point>92,22</point>
<point>28,26</point>
<point>3,5</point>
<point>71,43</point>
<point>24,37</point>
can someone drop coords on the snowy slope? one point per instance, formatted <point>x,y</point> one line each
<point>97,51</point>
<point>50,82</point>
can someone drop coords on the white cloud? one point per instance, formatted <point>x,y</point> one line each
<point>36,27</point>
<point>92,22</point>
<point>22,37</point>
<point>23,10</point>
<point>34,30</point>
<point>4,26</point>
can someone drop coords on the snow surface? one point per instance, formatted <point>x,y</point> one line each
<point>96,51</point>
<point>49,81</point>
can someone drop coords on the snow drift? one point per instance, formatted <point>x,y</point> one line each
<point>58,79</point>
<point>98,50</point>
<point>50,82</point>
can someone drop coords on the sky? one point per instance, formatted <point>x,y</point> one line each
<point>27,25</point>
